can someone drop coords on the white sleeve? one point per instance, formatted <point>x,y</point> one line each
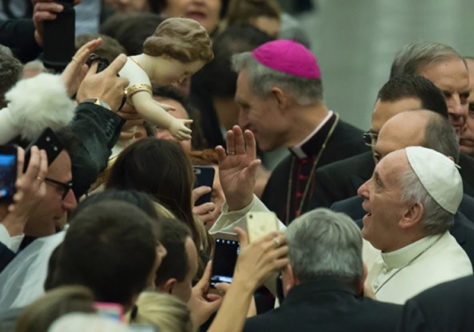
<point>134,73</point>
<point>228,220</point>
<point>11,242</point>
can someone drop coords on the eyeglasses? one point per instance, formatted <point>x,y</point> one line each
<point>370,138</point>
<point>65,186</point>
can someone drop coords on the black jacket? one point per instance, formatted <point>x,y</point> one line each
<point>448,307</point>
<point>345,141</point>
<point>326,305</point>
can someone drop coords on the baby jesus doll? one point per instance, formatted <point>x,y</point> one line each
<point>178,48</point>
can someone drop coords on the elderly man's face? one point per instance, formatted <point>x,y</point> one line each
<point>467,138</point>
<point>382,195</point>
<point>452,78</point>
<point>261,115</point>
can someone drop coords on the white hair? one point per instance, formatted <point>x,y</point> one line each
<point>325,243</point>
<point>435,219</point>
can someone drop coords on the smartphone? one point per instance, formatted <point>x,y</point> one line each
<point>8,172</point>
<point>59,36</point>
<point>46,141</point>
<point>204,176</point>
<point>260,224</point>
<point>102,63</point>
<point>226,252</point>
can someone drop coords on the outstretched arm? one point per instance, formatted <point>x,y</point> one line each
<point>256,262</point>
<point>154,112</point>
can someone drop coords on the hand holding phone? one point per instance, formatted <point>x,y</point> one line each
<point>8,172</point>
<point>29,187</point>
<point>260,224</point>
<point>226,252</point>
<point>204,176</point>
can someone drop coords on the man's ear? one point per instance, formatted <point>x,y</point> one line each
<point>167,286</point>
<point>412,215</point>
<point>280,97</point>
<point>360,287</point>
<point>290,279</point>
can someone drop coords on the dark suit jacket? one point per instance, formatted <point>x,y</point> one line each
<point>447,307</point>
<point>462,229</point>
<point>346,141</point>
<point>341,179</point>
<point>326,305</point>
<point>18,34</point>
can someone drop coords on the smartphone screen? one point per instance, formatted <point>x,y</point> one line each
<point>8,170</point>
<point>223,264</point>
<point>204,176</point>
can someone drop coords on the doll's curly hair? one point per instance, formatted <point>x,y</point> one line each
<point>183,39</point>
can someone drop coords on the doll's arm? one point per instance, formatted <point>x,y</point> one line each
<point>154,112</point>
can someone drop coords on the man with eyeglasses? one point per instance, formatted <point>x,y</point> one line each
<point>341,179</point>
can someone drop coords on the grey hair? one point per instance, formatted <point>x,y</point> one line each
<point>415,55</point>
<point>325,243</point>
<point>262,79</point>
<point>435,219</point>
<point>440,136</point>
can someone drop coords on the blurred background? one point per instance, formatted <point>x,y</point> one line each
<point>355,42</point>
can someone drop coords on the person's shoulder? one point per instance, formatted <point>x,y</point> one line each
<point>362,159</point>
<point>273,320</point>
<point>454,289</point>
<point>376,311</point>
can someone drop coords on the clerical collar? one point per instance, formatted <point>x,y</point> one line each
<point>311,144</point>
<point>401,257</point>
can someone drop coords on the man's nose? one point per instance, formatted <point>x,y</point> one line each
<point>363,191</point>
<point>243,120</point>
<point>69,202</point>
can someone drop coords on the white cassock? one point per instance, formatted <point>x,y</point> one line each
<point>401,274</point>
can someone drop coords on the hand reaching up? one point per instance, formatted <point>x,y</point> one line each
<point>237,167</point>
<point>30,189</point>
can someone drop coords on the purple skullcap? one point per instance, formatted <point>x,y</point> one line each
<point>289,57</point>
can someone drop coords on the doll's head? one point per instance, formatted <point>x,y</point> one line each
<point>182,39</point>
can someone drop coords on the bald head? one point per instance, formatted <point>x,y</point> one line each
<point>422,127</point>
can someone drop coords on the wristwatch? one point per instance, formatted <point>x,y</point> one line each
<point>97,101</point>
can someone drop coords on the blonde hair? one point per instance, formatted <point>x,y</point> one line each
<point>165,311</point>
<point>41,314</point>
<point>182,39</point>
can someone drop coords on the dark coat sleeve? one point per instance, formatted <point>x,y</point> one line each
<point>6,256</point>
<point>19,35</point>
<point>97,130</point>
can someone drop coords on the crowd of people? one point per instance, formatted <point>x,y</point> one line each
<point>106,231</point>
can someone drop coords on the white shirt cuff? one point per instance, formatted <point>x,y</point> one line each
<point>11,242</point>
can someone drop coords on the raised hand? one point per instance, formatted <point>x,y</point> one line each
<point>106,85</point>
<point>76,70</point>
<point>202,304</point>
<point>30,189</point>
<point>237,167</point>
